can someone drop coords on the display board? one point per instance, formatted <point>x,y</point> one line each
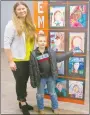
<point>65,24</point>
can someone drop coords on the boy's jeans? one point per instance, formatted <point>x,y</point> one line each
<point>51,90</point>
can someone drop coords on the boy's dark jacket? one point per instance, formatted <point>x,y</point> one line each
<point>34,68</point>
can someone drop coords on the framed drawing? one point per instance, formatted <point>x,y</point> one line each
<point>78,16</point>
<point>61,68</point>
<point>53,1</point>
<point>57,16</point>
<point>76,66</point>
<point>77,41</point>
<point>76,89</point>
<point>61,88</point>
<point>57,41</point>
<point>57,1</point>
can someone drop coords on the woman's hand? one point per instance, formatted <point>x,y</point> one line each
<point>12,65</point>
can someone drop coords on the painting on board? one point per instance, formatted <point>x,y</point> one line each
<point>57,16</point>
<point>57,1</point>
<point>61,88</point>
<point>76,66</point>
<point>76,89</point>
<point>57,41</point>
<point>78,16</point>
<point>60,68</point>
<point>77,42</point>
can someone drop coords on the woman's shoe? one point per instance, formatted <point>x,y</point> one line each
<point>19,105</point>
<point>29,107</point>
<point>24,110</point>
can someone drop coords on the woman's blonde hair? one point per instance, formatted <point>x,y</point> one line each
<point>28,21</point>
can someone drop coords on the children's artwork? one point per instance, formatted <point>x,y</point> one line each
<point>60,68</point>
<point>52,1</point>
<point>61,88</point>
<point>57,1</point>
<point>76,89</point>
<point>57,41</point>
<point>46,90</point>
<point>77,41</point>
<point>76,66</point>
<point>57,16</point>
<point>78,16</point>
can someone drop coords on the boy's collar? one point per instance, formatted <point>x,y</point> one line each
<point>46,49</point>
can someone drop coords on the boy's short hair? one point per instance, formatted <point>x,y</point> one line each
<point>40,34</point>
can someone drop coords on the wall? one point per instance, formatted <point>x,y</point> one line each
<point>78,107</point>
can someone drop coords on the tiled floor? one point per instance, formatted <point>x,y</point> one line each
<point>9,105</point>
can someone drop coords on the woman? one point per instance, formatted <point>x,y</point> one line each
<point>18,42</point>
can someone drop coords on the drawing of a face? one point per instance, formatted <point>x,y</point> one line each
<point>76,66</point>
<point>59,86</point>
<point>57,16</point>
<point>59,40</point>
<point>77,15</point>
<point>76,89</point>
<point>76,42</point>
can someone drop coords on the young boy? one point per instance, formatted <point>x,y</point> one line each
<point>43,70</point>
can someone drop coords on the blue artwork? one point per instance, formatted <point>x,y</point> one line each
<point>78,16</point>
<point>76,66</point>
<point>61,88</point>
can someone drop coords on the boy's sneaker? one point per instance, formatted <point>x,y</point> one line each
<point>56,111</point>
<point>41,112</point>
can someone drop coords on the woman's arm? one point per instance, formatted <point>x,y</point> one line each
<point>9,35</point>
<point>9,54</point>
<point>8,39</point>
<point>12,64</point>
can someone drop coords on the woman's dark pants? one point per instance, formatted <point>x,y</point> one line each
<point>21,76</point>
